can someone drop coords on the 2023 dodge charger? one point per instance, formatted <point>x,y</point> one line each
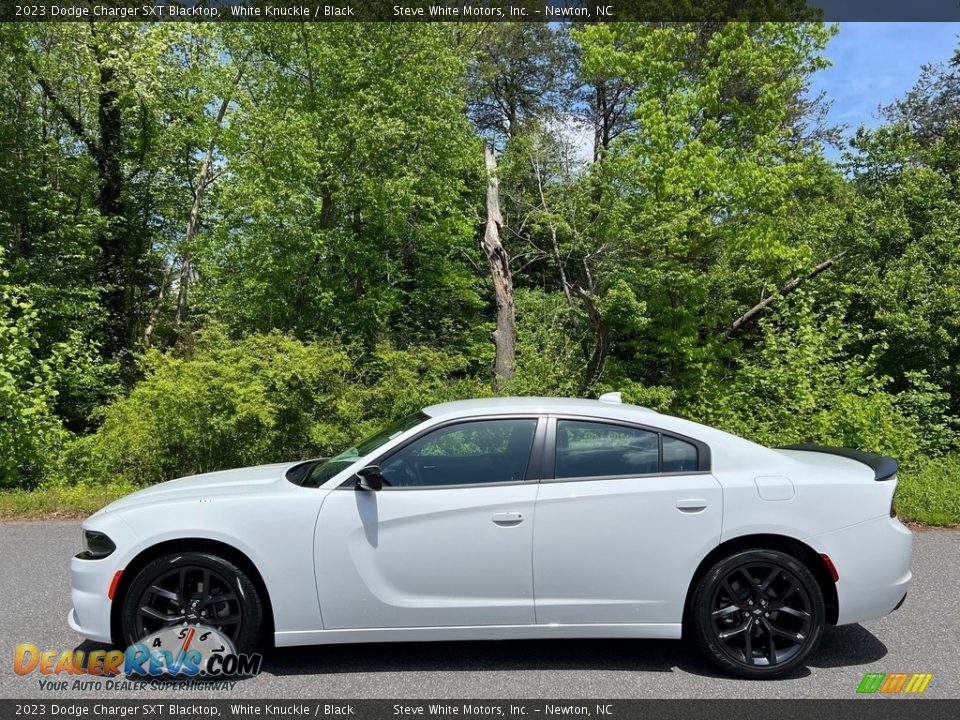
<point>512,518</point>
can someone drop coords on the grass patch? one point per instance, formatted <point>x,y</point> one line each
<point>60,501</point>
<point>930,493</point>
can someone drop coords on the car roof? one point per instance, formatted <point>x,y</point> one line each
<point>505,405</point>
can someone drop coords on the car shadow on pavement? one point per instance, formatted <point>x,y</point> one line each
<point>841,646</point>
<point>849,645</point>
<point>88,646</point>
<point>474,656</point>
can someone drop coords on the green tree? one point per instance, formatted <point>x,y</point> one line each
<point>695,201</point>
<point>906,284</point>
<point>348,206</point>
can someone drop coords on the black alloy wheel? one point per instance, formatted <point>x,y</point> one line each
<point>758,613</point>
<point>192,588</point>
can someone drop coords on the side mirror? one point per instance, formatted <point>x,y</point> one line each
<point>370,478</point>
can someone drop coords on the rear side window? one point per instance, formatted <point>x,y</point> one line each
<point>679,455</point>
<point>593,449</point>
<point>589,449</point>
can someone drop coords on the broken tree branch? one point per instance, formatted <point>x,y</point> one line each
<point>781,293</point>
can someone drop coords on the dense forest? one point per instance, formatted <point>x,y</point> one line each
<point>223,245</point>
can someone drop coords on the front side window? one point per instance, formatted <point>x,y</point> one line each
<point>591,449</point>
<point>468,453</point>
<point>322,471</point>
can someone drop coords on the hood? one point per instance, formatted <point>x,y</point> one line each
<point>224,482</point>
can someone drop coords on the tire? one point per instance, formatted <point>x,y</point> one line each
<point>764,628</point>
<point>207,588</point>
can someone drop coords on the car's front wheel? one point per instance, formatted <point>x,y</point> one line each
<point>758,613</point>
<point>190,588</point>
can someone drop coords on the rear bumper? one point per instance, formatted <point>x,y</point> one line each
<point>873,562</point>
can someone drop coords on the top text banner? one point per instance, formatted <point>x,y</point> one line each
<point>478,10</point>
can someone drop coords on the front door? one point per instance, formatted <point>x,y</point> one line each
<point>446,542</point>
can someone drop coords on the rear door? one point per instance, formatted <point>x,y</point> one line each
<point>624,515</point>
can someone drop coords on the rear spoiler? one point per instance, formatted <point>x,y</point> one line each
<point>884,467</point>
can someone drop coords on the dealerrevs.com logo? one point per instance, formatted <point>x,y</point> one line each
<point>894,683</point>
<point>186,652</point>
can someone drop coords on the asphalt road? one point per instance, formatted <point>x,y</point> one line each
<point>923,636</point>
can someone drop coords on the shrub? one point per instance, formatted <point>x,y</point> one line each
<point>804,383</point>
<point>265,398</point>
<point>230,404</point>
<point>29,430</point>
<point>550,341</point>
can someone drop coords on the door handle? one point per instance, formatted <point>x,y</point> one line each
<point>691,506</point>
<point>507,519</point>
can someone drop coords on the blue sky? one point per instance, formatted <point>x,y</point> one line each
<point>876,63</point>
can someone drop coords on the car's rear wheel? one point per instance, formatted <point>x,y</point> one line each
<point>758,613</point>
<point>190,588</point>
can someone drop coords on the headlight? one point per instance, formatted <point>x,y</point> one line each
<point>96,545</point>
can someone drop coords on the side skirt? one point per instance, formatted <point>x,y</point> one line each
<point>660,631</point>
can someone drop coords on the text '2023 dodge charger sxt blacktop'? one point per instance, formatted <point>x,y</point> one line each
<point>512,518</point>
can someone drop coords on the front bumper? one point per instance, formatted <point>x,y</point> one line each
<point>90,579</point>
<point>90,614</point>
<point>873,562</point>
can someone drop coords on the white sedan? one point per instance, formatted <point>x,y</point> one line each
<point>512,518</point>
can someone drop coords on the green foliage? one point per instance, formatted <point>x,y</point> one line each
<point>348,207</point>
<point>908,250</point>
<point>804,383</point>
<point>60,500</point>
<point>695,201</point>
<point>230,244</point>
<point>228,405</point>
<point>266,398</point>
<point>28,428</point>
<point>930,491</point>
<point>549,346</point>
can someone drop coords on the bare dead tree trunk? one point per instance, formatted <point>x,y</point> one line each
<point>781,293</point>
<point>193,222</point>
<point>505,336</point>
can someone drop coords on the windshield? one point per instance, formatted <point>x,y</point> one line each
<point>326,469</point>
